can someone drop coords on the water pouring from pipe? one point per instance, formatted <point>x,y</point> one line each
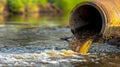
<point>94,17</point>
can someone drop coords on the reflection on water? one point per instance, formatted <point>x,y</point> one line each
<point>2,19</point>
<point>35,20</point>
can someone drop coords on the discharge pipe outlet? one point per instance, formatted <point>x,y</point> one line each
<point>101,16</point>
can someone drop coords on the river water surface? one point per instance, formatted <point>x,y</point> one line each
<point>28,41</point>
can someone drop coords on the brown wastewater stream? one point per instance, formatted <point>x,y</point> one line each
<point>25,44</point>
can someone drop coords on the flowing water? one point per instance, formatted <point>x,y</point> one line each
<point>35,41</point>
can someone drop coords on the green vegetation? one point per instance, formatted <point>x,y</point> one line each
<point>30,5</point>
<point>65,5</point>
<point>41,2</point>
<point>2,0</point>
<point>20,5</point>
<point>15,6</point>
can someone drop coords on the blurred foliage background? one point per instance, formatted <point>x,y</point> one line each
<point>65,5</point>
<point>39,12</point>
<point>19,5</point>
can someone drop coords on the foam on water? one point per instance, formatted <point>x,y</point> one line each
<point>53,57</point>
<point>57,58</point>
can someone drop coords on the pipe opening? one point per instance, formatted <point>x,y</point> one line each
<point>89,18</point>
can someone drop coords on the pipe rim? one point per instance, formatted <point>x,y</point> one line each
<point>95,5</point>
